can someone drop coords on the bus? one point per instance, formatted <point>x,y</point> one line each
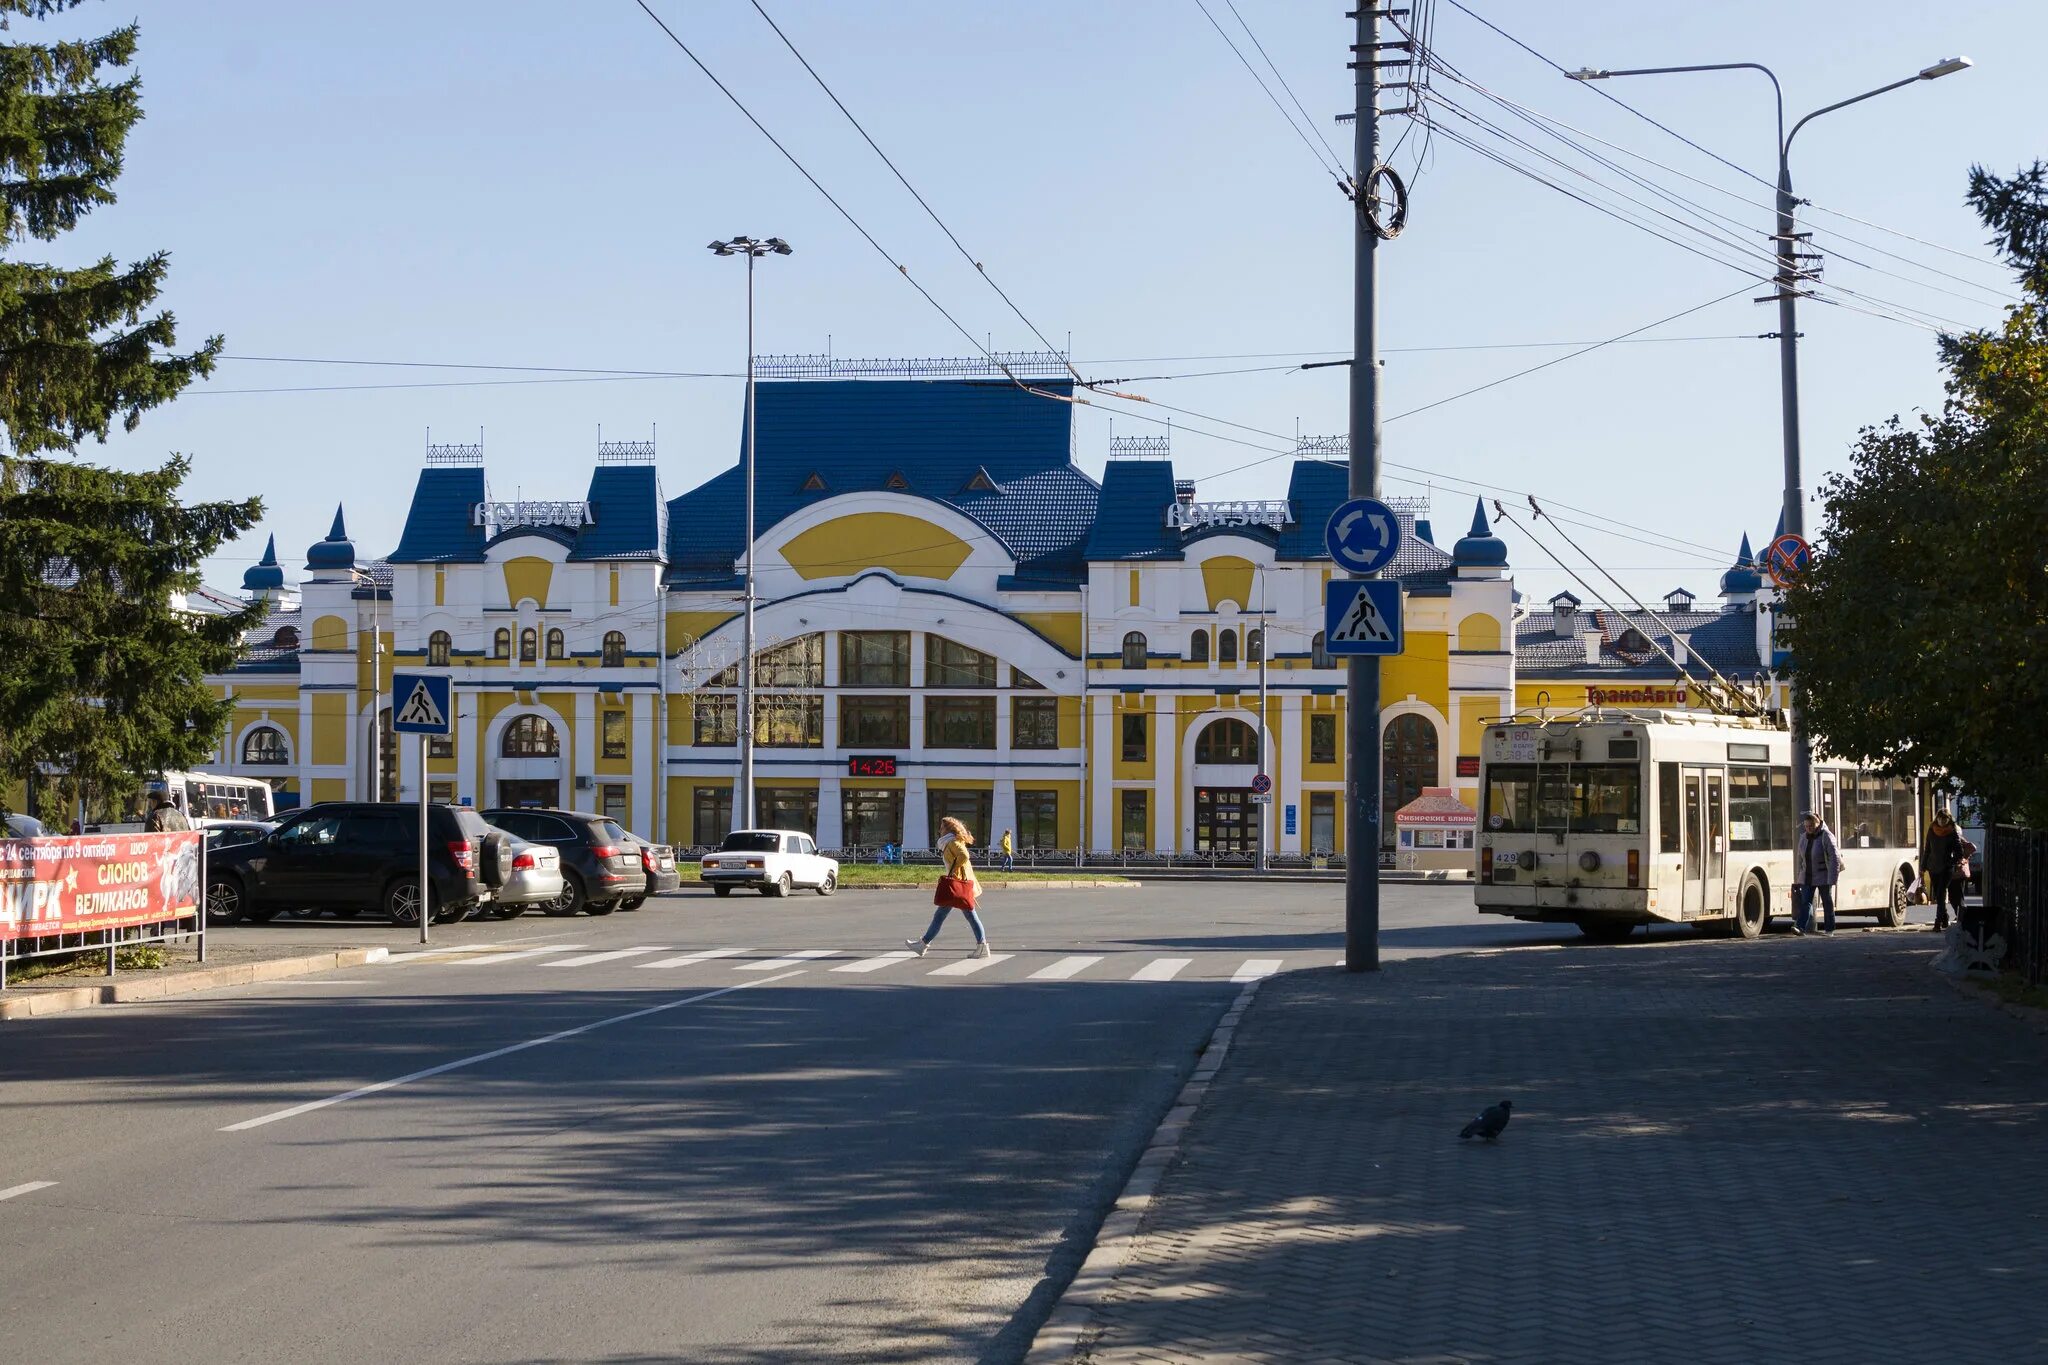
<point>1610,819</point>
<point>206,798</point>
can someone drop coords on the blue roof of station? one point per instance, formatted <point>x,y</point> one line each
<point>441,525</point>
<point>986,448</point>
<point>629,518</point>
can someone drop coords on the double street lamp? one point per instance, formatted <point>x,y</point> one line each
<point>1787,281</point>
<point>753,248</point>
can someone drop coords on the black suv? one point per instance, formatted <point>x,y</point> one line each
<point>600,865</point>
<point>352,856</point>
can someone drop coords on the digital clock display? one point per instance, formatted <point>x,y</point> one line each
<point>871,765</point>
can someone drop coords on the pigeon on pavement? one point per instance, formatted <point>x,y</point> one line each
<point>1491,1121</point>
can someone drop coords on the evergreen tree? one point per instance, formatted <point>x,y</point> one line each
<point>100,665</point>
<point>1921,633</point>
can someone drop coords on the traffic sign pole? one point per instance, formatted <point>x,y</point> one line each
<point>425,896</point>
<point>1362,690</point>
<point>427,708</point>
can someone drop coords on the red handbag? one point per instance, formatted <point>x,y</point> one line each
<point>955,893</point>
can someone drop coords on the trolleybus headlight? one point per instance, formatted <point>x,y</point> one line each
<point>1589,861</point>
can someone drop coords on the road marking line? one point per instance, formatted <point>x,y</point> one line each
<point>30,1188</point>
<point>793,960</point>
<point>875,964</point>
<point>492,1055</point>
<point>1256,969</point>
<point>488,958</point>
<point>591,959</point>
<point>1161,969</point>
<point>688,958</point>
<point>1064,968</point>
<point>971,965</point>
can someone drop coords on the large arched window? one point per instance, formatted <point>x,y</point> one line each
<point>614,649</point>
<point>1226,646</point>
<point>1227,741</point>
<point>530,737</point>
<point>1319,653</point>
<point>501,644</point>
<point>1134,650</point>
<point>1408,751</point>
<point>555,643</point>
<point>265,746</point>
<point>1254,645</point>
<point>438,646</point>
<point>1198,647</point>
<point>529,646</point>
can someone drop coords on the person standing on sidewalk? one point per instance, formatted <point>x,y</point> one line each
<point>1938,858</point>
<point>1816,866</point>
<point>1008,848</point>
<point>958,889</point>
<point>163,816</point>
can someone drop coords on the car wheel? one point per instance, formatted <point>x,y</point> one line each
<point>602,907</point>
<point>721,891</point>
<point>569,902</point>
<point>402,901</point>
<point>632,902</point>
<point>1894,912</point>
<point>778,888</point>
<point>453,914</point>
<point>1752,909</point>
<point>830,884</point>
<point>225,901</point>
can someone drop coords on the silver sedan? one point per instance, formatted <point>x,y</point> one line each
<point>533,877</point>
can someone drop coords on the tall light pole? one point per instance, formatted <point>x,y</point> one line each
<point>753,248</point>
<point>1787,281</point>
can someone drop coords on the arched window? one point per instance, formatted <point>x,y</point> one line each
<point>529,645</point>
<point>1227,741</point>
<point>265,746</point>
<point>1134,650</point>
<point>1408,751</point>
<point>555,643</point>
<point>1226,646</point>
<point>530,737</point>
<point>1319,653</point>
<point>614,649</point>
<point>438,645</point>
<point>1198,647</point>
<point>287,637</point>
<point>501,644</point>
<point>1254,645</point>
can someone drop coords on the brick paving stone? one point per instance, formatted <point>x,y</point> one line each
<point>1721,1151</point>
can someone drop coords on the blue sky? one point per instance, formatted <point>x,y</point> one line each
<point>519,183</point>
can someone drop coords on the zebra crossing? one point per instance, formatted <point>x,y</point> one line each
<point>563,960</point>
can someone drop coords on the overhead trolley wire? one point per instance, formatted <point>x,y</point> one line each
<point>1332,167</point>
<point>1310,123</point>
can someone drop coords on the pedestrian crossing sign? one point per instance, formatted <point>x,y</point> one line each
<point>421,704</point>
<point>1362,616</point>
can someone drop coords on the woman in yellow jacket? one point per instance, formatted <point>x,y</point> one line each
<point>958,889</point>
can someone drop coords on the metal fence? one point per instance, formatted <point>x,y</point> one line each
<point>2016,891</point>
<point>111,941</point>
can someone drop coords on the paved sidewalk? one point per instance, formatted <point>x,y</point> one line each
<point>1792,1150</point>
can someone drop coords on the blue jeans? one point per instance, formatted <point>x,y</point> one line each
<point>1802,906</point>
<point>939,918</point>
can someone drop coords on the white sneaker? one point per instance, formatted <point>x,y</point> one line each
<point>981,949</point>
<point>917,945</point>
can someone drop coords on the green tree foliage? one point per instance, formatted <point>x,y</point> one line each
<point>1921,633</point>
<point>100,668</point>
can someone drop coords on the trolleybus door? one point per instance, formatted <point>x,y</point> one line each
<point>1705,855</point>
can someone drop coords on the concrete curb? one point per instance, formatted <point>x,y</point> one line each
<point>1065,1330</point>
<point>138,988</point>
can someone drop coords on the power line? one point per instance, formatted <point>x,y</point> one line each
<point>1335,170</point>
<point>905,182</point>
<point>1278,76</point>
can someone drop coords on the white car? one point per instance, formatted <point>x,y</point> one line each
<point>776,861</point>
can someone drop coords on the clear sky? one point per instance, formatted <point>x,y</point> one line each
<point>513,183</point>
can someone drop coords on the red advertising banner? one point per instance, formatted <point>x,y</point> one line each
<point>97,881</point>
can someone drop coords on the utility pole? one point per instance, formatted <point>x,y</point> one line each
<point>1362,692</point>
<point>1265,722</point>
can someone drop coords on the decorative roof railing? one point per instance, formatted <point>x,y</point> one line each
<point>1023,364</point>
<point>1140,447</point>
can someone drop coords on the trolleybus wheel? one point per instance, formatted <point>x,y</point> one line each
<point>1752,908</point>
<point>1894,912</point>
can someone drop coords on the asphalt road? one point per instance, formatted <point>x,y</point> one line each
<point>655,1136</point>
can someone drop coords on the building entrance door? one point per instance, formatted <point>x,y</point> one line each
<point>528,792</point>
<point>1225,820</point>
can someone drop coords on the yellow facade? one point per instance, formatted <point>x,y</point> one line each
<point>901,544</point>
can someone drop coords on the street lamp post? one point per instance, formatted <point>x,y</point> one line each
<point>753,248</point>
<point>1787,281</point>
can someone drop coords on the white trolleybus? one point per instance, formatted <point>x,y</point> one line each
<point>1609,819</point>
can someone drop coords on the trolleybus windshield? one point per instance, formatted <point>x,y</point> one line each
<point>1580,798</point>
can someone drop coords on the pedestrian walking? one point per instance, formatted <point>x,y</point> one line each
<point>958,889</point>
<point>1009,851</point>
<point>163,816</point>
<point>1938,858</point>
<point>1816,867</point>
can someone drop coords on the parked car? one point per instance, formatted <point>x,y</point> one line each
<point>599,868</point>
<point>774,861</point>
<point>221,833</point>
<point>534,879</point>
<point>658,861</point>
<point>15,826</point>
<point>353,856</point>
